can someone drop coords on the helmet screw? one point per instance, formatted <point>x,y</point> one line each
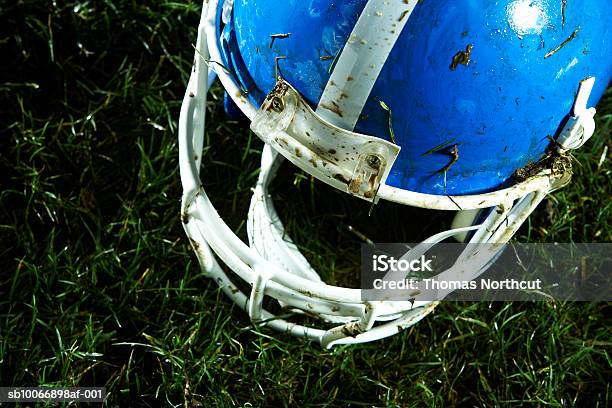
<point>373,161</point>
<point>277,104</point>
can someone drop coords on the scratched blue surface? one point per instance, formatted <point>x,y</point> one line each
<point>499,109</point>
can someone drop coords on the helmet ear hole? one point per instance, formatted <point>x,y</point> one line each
<point>464,219</point>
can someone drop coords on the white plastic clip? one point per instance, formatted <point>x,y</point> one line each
<point>581,126</point>
<point>369,317</point>
<point>255,306</point>
<point>353,162</point>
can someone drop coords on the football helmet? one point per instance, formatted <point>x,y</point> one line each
<point>466,106</point>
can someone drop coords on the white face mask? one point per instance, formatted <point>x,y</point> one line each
<point>271,263</point>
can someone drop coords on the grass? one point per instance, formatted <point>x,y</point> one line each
<point>99,286</point>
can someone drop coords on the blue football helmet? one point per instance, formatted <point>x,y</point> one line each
<point>459,105</point>
<point>486,84</point>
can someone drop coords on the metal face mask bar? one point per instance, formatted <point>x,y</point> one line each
<point>271,263</point>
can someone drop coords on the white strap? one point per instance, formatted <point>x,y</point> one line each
<point>363,57</point>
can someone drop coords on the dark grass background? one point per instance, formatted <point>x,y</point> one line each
<point>98,286</point>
